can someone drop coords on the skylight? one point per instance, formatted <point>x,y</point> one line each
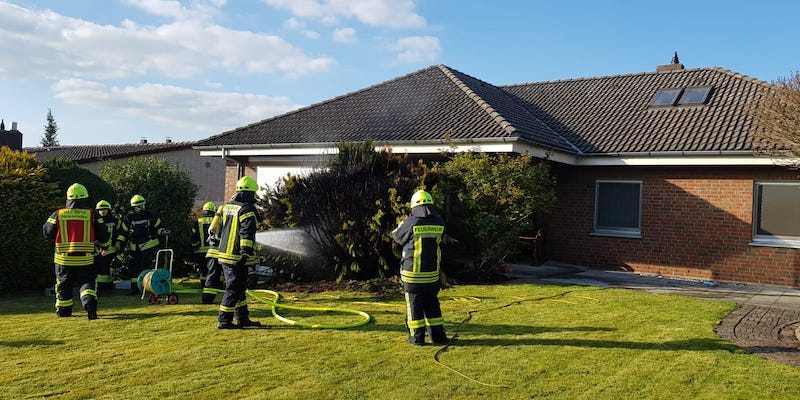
<point>666,97</point>
<point>695,95</point>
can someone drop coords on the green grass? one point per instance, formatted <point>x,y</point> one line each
<point>549,342</point>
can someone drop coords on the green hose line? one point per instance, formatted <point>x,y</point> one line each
<point>256,294</point>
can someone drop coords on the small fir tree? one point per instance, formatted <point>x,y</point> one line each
<point>50,137</point>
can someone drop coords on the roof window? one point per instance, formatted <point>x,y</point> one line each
<point>666,97</point>
<point>681,96</point>
<point>695,95</point>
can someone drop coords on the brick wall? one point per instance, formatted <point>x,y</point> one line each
<point>232,175</point>
<point>696,222</point>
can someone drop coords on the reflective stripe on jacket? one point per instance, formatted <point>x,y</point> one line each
<point>140,230</point>
<point>74,232</point>
<point>235,225</point>
<point>200,232</point>
<point>422,256</point>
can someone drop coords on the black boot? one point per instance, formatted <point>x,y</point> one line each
<point>91,311</point>
<point>246,322</point>
<point>417,337</point>
<point>63,312</point>
<point>227,325</point>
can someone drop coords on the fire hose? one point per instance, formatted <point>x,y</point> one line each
<point>260,295</point>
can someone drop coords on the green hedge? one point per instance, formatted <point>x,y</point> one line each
<point>28,198</point>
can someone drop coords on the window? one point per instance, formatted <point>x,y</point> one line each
<point>617,209</point>
<point>695,95</point>
<point>666,97</point>
<point>776,214</point>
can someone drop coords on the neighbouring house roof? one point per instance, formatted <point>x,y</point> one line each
<point>92,153</point>
<point>608,115</point>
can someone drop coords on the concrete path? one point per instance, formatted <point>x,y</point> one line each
<point>767,322</point>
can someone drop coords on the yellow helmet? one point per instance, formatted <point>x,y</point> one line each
<point>137,200</point>
<point>103,205</point>
<point>209,207</point>
<point>246,184</point>
<point>77,191</point>
<point>421,197</point>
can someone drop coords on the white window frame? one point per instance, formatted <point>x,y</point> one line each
<point>616,231</point>
<point>770,240</point>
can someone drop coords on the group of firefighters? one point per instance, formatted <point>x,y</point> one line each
<point>88,243</point>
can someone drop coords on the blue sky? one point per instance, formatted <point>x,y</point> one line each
<point>114,71</point>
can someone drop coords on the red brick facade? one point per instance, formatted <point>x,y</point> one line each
<point>695,222</point>
<point>232,175</point>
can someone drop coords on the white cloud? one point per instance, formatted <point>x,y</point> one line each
<point>344,35</point>
<point>174,9</point>
<point>293,24</point>
<point>202,111</point>
<point>50,46</point>
<point>389,13</point>
<point>414,49</point>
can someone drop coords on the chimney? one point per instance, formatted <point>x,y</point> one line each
<point>143,140</point>
<point>12,138</point>
<point>674,66</point>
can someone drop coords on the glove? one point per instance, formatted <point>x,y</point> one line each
<point>242,261</point>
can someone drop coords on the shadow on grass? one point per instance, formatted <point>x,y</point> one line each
<point>675,345</point>
<point>32,343</point>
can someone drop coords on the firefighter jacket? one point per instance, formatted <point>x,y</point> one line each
<point>420,234</point>
<point>110,223</point>
<point>139,231</point>
<point>200,232</point>
<point>74,229</point>
<point>235,226</point>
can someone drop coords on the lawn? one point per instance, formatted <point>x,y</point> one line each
<point>524,341</point>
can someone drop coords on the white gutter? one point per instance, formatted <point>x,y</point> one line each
<point>510,145</point>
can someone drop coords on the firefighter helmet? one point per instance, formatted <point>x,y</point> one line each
<point>209,207</point>
<point>421,197</point>
<point>137,200</point>
<point>246,184</point>
<point>103,205</point>
<point>77,191</point>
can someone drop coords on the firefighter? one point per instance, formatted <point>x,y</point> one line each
<point>235,225</point>
<point>75,229</point>
<point>105,253</point>
<point>214,280</point>
<point>139,231</point>
<point>420,234</point>
<point>206,254</point>
<point>199,239</point>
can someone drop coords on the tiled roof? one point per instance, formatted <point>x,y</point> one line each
<point>585,116</point>
<point>429,104</point>
<point>611,114</point>
<point>92,153</point>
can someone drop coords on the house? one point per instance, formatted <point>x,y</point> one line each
<point>655,171</point>
<point>205,172</point>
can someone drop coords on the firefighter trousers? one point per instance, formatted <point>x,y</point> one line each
<point>234,300</point>
<point>213,280</point>
<point>423,313</point>
<point>68,276</point>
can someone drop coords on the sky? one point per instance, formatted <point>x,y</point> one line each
<point>117,71</point>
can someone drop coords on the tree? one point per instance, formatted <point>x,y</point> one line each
<point>777,117</point>
<point>489,200</point>
<point>65,172</point>
<point>166,187</point>
<point>50,137</point>
<point>349,209</point>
